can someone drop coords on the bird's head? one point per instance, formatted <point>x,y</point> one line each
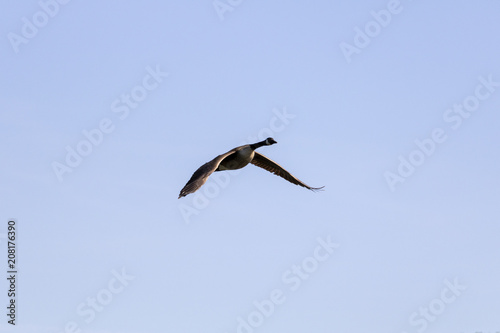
<point>270,141</point>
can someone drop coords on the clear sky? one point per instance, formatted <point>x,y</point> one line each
<point>107,108</point>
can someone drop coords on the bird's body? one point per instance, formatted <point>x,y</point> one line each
<point>238,158</point>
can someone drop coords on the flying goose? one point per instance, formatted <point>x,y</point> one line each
<point>237,158</point>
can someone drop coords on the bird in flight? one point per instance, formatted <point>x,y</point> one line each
<point>237,158</point>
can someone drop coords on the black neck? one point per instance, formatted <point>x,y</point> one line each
<point>258,144</point>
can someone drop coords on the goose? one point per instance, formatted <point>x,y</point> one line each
<point>235,159</point>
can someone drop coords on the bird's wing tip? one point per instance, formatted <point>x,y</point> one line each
<point>317,189</point>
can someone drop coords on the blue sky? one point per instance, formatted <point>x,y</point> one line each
<point>108,108</point>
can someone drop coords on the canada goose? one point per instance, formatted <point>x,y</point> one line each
<point>237,158</point>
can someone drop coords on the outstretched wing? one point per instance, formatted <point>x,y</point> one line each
<point>271,166</point>
<point>201,175</point>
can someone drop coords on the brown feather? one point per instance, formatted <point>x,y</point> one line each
<point>273,167</point>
